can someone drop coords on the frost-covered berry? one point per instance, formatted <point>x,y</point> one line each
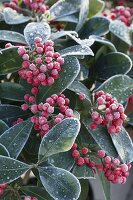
<point>101,154</point>
<point>80,161</point>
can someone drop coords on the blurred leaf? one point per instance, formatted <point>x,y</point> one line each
<point>12,36</point>
<point>3,127</point>
<point>12,17</point>
<point>10,113</point>
<point>12,91</point>
<point>83,172</point>
<point>84,10</point>
<point>96,6</point>
<point>96,26</point>
<point>84,189</point>
<point>38,192</point>
<point>67,75</point>
<point>102,138</point>
<point>4,151</point>
<point>64,8</point>
<point>123,145</point>
<point>119,29</point>
<point>59,139</point>
<point>105,184</point>
<point>37,29</point>
<point>62,160</point>
<point>59,183</point>
<point>112,64</point>
<point>120,86</point>
<point>15,138</point>
<point>130,119</point>
<point>10,63</point>
<point>11,169</point>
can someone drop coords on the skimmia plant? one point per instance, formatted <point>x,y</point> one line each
<point>65,83</point>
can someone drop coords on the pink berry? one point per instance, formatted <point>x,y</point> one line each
<point>1,191</point>
<point>124,168</point>
<point>74,146</point>
<point>25,57</point>
<point>75,154</point>
<point>80,161</point>
<point>101,154</point>
<point>107,159</point>
<point>93,126</point>
<point>43,68</point>
<point>57,120</point>
<point>69,112</point>
<point>24,106</point>
<point>21,51</point>
<point>34,108</point>
<point>91,164</point>
<point>95,115</point>
<point>111,129</point>
<point>34,91</point>
<point>38,40</point>
<point>50,81</point>
<point>84,150</point>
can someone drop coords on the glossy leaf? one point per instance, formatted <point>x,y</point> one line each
<point>36,29</point>
<point>124,145</point>
<point>12,36</point>
<point>105,184</point>
<point>83,172</point>
<point>84,10</point>
<point>112,64</point>
<point>3,127</point>
<point>10,113</point>
<point>12,17</point>
<point>120,86</point>
<point>59,139</point>
<point>10,63</point>
<point>97,26</point>
<point>66,184</point>
<point>4,151</point>
<point>64,8</point>
<point>62,160</point>
<point>77,50</point>
<point>16,137</point>
<point>96,6</point>
<point>38,192</point>
<point>102,138</point>
<point>119,29</point>
<point>12,91</point>
<point>11,169</point>
<point>59,34</point>
<point>69,18</point>
<point>68,73</point>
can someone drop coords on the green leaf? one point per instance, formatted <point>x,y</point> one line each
<point>103,41</point>
<point>12,36</point>
<point>10,113</point>
<point>84,189</point>
<point>120,30</point>
<point>59,139</point>
<point>27,86</point>
<point>112,64</point>
<point>97,26</point>
<point>12,91</point>
<point>36,29</point>
<point>102,138</point>
<point>11,169</point>
<point>77,50</point>
<point>83,172</point>
<point>120,86</point>
<point>59,183</point>
<point>64,8</point>
<point>84,10</point>
<point>96,6</point>
<point>69,18</point>
<point>10,63</point>
<point>78,88</point>
<point>4,151</point>
<point>38,192</point>
<point>123,145</point>
<point>15,138</point>
<point>62,160</point>
<point>130,119</point>
<point>105,184</point>
<point>3,127</point>
<point>68,73</point>
<point>59,34</point>
<point>12,17</point>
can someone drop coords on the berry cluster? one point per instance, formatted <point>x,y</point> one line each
<point>108,112</point>
<point>2,188</point>
<point>33,5</point>
<point>121,13</point>
<point>82,157</point>
<point>42,65</point>
<point>44,117</point>
<point>113,169</point>
<point>30,198</point>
